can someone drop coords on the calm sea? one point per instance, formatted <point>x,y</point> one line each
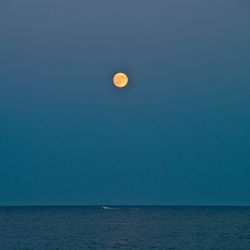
<point>43,228</point>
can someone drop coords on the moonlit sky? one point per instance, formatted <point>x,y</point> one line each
<point>179,133</point>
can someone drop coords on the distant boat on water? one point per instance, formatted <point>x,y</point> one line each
<point>109,208</point>
<point>106,207</point>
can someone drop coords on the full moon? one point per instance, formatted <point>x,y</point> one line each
<point>120,80</point>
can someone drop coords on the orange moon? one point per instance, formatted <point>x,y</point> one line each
<point>120,80</point>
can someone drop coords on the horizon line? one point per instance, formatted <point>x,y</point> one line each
<point>128,205</point>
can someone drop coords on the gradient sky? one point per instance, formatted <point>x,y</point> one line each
<point>178,134</point>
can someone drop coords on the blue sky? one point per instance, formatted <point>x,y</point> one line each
<point>177,134</point>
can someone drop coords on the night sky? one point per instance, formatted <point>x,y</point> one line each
<point>179,133</point>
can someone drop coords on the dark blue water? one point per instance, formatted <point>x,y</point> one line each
<point>27,228</point>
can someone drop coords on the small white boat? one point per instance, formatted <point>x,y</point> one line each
<point>107,208</point>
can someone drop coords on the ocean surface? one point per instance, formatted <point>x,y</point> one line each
<point>42,228</point>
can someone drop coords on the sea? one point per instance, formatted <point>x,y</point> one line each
<point>124,227</point>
